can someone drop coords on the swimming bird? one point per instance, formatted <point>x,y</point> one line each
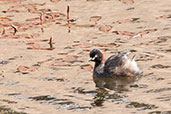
<point>118,65</point>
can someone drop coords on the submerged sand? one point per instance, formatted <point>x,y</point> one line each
<point>38,78</point>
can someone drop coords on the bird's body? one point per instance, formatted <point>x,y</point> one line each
<point>118,65</point>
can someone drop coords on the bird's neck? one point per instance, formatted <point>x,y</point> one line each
<point>99,69</point>
<point>97,63</point>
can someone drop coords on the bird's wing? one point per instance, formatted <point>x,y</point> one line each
<point>114,64</point>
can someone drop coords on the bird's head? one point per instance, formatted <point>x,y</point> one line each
<point>96,56</point>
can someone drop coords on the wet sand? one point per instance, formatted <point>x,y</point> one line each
<point>39,76</point>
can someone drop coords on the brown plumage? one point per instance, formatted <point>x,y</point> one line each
<point>118,65</point>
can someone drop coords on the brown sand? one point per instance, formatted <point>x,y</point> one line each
<point>39,79</point>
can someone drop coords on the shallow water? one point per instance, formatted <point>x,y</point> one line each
<point>44,69</point>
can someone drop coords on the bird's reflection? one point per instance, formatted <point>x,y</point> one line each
<point>118,84</point>
<point>103,94</point>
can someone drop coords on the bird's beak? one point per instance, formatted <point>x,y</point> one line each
<point>91,59</point>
